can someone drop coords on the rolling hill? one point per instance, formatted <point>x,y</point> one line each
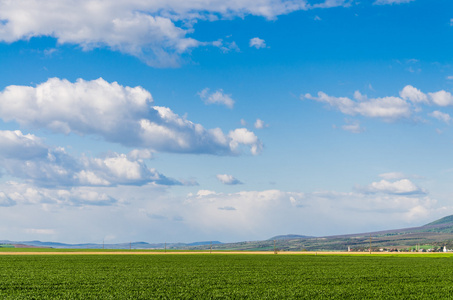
<point>435,234</point>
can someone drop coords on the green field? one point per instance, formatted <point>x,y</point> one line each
<point>226,276</point>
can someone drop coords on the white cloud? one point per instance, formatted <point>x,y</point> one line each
<point>26,157</point>
<point>226,46</point>
<point>392,175</point>
<point>119,114</point>
<point>444,117</point>
<point>218,97</point>
<point>383,2</point>
<point>332,3</point>
<point>26,194</point>
<point>259,124</point>
<point>242,136</point>
<point>412,94</point>
<point>399,187</point>
<point>387,108</point>
<point>352,126</point>
<point>145,29</point>
<point>441,98</point>
<point>257,43</point>
<point>228,179</point>
<point>450,77</point>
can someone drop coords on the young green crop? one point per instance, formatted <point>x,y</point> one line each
<point>228,276</point>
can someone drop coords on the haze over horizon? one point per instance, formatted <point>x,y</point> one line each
<point>186,121</point>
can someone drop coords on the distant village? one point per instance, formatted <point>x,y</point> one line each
<point>417,248</point>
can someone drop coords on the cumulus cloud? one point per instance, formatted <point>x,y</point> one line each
<point>399,187</point>
<point>384,2</point>
<point>218,97</point>
<point>27,157</point>
<point>119,114</point>
<point>444,117</point>
<point>389,108</point>
<point>413,94</point>
<point>441,98</point>
<point>242,136</point>
<point>259,124</point>
<point>149,30</point>
<point>228,179</point>
<point>257,43</point>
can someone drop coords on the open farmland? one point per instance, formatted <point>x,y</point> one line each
<point>226,276</point>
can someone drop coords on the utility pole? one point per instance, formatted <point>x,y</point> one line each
<point>130,245</point>
<point>102,244</point>
<point>275,249</point>
<point>165,247</point>
<point>370,243</point>
<point>210,249</point>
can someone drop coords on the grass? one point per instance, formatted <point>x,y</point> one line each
<point>226,276</point>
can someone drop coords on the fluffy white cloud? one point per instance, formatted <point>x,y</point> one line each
<point>399,187</point>
<point>259,124</point>
<point>145,29</point>
<point>16,145</point>
<point>383,2</point>
<point>218,97</point>
<point>228,179</point>
<point>387,108</point>
<point>444,117</point>
<point>441,98</point>
<point>242,136</point>
<point>412,94</point>
<point>257,43</point>
<point>118,114</point>
<point>26,157</point>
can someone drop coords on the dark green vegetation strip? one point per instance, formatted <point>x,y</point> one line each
<point>225,277</point>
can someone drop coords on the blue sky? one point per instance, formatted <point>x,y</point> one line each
<point>197,120</point>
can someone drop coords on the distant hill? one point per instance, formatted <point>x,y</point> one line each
<point>290,237</point>
<point>448,220</point>
<point>435,234</point>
